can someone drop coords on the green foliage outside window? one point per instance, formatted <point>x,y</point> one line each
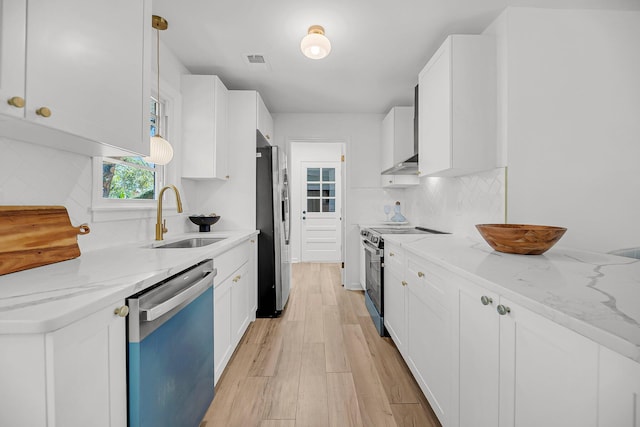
<point>128,178</point>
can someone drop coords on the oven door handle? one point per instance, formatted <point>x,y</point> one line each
<point>369,247</point>
<point>150,314</point>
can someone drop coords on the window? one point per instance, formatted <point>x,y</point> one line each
<point>321,189</point>
<point>133,178</point>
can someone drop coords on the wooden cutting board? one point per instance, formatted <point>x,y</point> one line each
<point>31,236</point>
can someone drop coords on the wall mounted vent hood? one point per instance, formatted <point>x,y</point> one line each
<point>409,166</point>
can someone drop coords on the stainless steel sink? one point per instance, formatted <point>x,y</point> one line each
<point>194,242</point>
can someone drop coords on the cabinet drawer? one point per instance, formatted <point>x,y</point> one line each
<point>394,259</point>
<point>427,281</point>
<point>230,261</point>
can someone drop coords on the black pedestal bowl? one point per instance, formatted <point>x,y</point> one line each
<point>204,221</point>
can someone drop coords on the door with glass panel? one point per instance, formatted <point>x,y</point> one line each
<point>321,212</point>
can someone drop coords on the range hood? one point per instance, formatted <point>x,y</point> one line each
<point>409,166</point>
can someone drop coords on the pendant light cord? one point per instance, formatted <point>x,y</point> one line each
<point>159,116</point>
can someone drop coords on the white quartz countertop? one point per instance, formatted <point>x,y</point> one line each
<point>47,298</point>
<point>596,295</point>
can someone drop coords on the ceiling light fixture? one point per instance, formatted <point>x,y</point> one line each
<point>315,44</point>
<point>161,151</point>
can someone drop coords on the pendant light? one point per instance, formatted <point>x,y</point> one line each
<point>160,149</point>
<point>315,44</point>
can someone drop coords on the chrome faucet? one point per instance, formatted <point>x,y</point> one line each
<point>161,226</point>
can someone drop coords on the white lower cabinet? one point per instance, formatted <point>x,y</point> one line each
<point>429,338</point>
<point>395,311</point>
<point>618,390</point>
<point>235,301</point>
<point>520,369</point>
<point>548,373</point>
<point>478,329</point>
<point>73,377</point>
<point>484,361</point>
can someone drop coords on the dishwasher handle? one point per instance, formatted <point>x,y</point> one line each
<point>151,314</point>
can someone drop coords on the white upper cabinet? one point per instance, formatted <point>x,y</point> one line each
<point>457,122</point>
<point>13,27</point>
<point>85,82</point>
<point>205,109</point>
<point>264,120</point>
<point>397,136</point>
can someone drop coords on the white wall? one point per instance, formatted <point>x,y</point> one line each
<point>364,198</point>
<point>570,122</point>
<point>35,175</point>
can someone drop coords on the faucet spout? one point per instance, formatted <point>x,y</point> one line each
<point>161,225</point>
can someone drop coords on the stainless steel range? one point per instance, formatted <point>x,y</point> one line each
<point>373,243</point>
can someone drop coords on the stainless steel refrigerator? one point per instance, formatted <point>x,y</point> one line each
<point>272,219</point>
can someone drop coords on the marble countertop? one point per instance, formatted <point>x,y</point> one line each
<point>47,298</point>
<point>596,295</point>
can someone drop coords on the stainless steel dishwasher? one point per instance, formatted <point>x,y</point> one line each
<point>170,350</point>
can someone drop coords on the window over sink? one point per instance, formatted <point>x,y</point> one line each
<point>127,187</point>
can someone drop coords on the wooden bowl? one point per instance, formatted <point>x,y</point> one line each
<point>521,239</point>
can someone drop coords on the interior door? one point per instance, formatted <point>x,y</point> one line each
<point>321,212</point>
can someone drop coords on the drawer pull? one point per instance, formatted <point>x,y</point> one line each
<point>486,300</point>
<point>420,274</point>
<point>404,283</point>
<point>391,254</point>
<point>503,309</point>
<point>238,277</point>
<point>121,311</point>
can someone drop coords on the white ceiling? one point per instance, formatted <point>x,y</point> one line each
<point>378,46</point>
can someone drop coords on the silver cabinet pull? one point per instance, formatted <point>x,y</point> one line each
<point>503,309</point>
<point>486,300</point>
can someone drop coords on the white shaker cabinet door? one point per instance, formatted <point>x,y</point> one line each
<point>86,372</point>
<point>479,357</point>
<point>240,295</point>
<point>222,348</point>
<point>548,373</point>
<point>619,390</point>
<point>13,24</point>
<point>205,135</point>
<point>87,64</point>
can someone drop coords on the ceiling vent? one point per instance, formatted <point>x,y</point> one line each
<point>255,59</point>
<point>256,62</point>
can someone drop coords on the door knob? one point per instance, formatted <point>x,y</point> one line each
<point>485,300</point>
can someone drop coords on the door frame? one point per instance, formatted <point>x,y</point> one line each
<point>296,154</point>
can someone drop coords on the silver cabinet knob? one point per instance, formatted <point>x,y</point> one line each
<point>486,300</point>
<point>503,309</point>
<point>121,311</point>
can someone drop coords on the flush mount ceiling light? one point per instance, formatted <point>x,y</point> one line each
<point>161,151</point>
<point>315,44</point>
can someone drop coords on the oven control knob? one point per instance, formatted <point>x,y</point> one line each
<point>121,311</point>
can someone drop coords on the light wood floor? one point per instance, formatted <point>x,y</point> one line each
<point>320,364</point>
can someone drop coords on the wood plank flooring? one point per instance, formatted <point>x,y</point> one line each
<point>321,364</point>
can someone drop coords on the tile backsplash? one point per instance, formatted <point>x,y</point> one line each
<point>456,204</point>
